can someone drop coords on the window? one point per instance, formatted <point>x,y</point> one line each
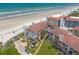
<point>63,44</point>
<point>77,23</point>
<point>72,24</point>
<point>67,23</point>
<point>59,23</point>
<point>70,52</point>
<point>27,33</point>
<point>56,37</point>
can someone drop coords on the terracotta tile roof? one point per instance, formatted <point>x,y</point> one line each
<point>58,31</point>
<point>53,25</point>
<point>72,19</point>
<point>66,18</point>
<point>37,27</point>
<point>68,38</point>
<point>72,41</point>
<point>56,18</point>
<point>76,28</point>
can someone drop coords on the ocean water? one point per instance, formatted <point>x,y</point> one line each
<point>8,7</point>
<point>11,9</point>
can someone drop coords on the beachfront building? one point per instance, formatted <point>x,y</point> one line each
<point>33,32</point>
<point>56,20</point>
<point>63,21</point>
<point>72,22</point>
<point>54,26</point>
<point>64,40</point>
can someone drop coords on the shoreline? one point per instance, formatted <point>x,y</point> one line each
<point>31,9</point>
<point>21,12</point>
<point>28,12</point>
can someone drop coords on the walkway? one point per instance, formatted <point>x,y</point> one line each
<point>40,45</point>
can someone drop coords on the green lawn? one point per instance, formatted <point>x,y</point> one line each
<point>9,49</point>
<point>47,49</point>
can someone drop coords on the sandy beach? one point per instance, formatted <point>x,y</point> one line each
<point>17,20</point>
<point>12,22</point>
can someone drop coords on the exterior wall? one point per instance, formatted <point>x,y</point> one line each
<point>71,23</point>
<point>53,22</point>
<point>71,51</point>
<point>50,37</point>
<point>63,48</point>
<point>62,23</point>
<point>31,35</point>
<point>32,38</point>
<point>61,38</point>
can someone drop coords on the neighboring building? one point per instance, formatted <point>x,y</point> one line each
<point>65,41</point>
<point>33,32</point>
<point>56,20</point>
<point>72,22</point>
<point>63,21</point>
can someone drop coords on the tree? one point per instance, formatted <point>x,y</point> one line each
<point>1,44</point>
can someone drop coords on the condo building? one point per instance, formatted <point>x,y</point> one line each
<point>63,21</point>
<point>33,32</point>
<point>57,27</point>
<point>64,40</point>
